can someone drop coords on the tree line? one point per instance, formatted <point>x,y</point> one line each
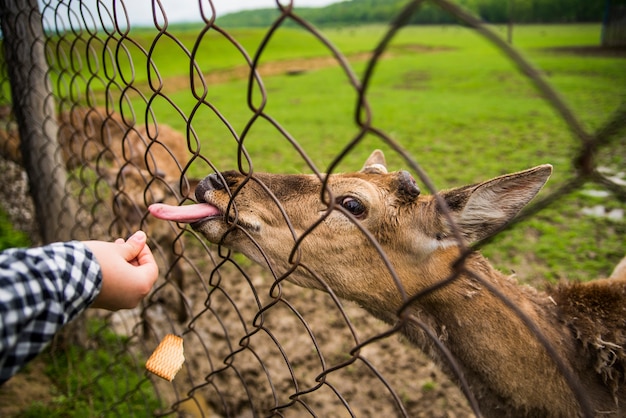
<point>355,12</point>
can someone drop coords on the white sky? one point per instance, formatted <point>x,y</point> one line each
<point>140,11</point>
<point>182,10</point>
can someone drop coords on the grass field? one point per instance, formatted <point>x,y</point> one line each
<point>462,110</point>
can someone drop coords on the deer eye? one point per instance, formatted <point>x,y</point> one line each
<point>352,205</point>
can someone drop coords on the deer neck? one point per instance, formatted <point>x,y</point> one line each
<point>492,344</point>
<point>466,309</point>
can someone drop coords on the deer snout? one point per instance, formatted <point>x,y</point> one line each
<point>211,182</point>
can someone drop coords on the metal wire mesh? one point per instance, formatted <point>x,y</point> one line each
<point>252,345</point>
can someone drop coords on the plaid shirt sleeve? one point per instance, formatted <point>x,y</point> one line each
<point>41,289</point>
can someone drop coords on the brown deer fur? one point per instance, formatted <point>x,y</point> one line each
<point>88,134</point>
<point>508,369</point>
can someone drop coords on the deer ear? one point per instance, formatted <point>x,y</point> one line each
<point>375,164</point>
<point>482,209</point>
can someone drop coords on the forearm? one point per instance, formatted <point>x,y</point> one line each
<point>41,289</point>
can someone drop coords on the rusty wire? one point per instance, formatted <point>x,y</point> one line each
<point>240,358</point>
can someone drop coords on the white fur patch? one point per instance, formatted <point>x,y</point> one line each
<point>376,168</point>
<point>427,246</point>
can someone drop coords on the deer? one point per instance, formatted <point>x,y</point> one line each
<point>330,232</point>
<point>88,134</point>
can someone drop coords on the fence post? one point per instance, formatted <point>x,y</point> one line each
<point>34,108</point>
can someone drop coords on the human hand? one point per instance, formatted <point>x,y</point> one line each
<point>128,271</point>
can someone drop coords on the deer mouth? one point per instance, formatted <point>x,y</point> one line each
<point>190,214</point>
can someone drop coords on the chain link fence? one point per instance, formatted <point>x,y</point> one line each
<point>101,133</point>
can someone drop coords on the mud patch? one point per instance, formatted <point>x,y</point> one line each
<point>293,67</point>
<point>591,51</point>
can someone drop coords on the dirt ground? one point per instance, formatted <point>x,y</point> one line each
<point>592,51</point>
<point>299,353</point>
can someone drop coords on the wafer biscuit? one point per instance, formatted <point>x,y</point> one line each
<point>167,358</point>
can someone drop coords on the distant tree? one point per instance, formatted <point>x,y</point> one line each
<point>614,24</point>
<point>356,12</point>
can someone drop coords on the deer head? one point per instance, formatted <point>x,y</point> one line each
<point>333,234</point>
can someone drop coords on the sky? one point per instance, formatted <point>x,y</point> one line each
<point>176,9</point>
<point>140,11</point>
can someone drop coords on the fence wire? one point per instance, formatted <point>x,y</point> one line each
<point>255,344</point>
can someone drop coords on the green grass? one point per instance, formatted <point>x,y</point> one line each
<point>449,97</point>
<point>466,114</point>
<point>445,94</point>
<point>453,100</point>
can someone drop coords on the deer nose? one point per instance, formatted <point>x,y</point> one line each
<point>212,182</point>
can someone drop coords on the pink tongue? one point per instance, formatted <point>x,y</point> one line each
<point>187,213</point>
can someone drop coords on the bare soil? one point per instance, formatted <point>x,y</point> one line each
<point>292,67</point>
<point>592,51</point>
<point>299,353</point>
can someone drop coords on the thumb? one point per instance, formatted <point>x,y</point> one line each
<point>134,245</point>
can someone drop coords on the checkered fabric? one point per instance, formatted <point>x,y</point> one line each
<point>41,289</point>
